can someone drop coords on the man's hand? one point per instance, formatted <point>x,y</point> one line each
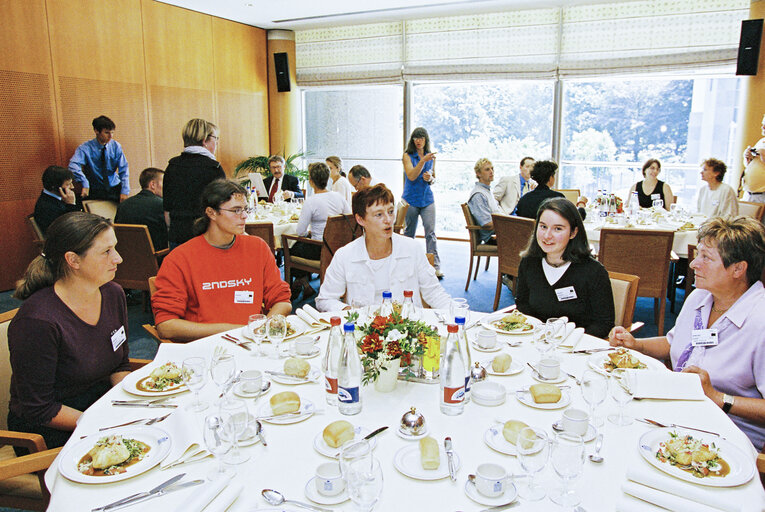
<point>123,197</point>
<point>67,194</point>
<point>706,384</point>
<point>84,192</point>
<point>621,337</point>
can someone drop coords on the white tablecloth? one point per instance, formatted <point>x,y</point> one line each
<point>282,225</point>
<point>289,460</point>
<point>679,244</point>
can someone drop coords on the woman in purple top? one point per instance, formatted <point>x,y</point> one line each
<point>724,315</point>
<point>420,173</point>
<point>68,341</point>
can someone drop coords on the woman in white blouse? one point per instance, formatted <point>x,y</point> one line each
<point>340,183</point>
<point>716,199</point>
<point>380,260</point>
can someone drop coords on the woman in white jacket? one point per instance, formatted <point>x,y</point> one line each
<point>380,260</point>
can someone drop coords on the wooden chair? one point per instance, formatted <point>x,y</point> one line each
<point>572,194</point>
<point>513,235</point>
<point>399,225</point>
<point>263,230</point>
<point>625,289</point>
<point>690,275</point>
<point>643,253</point>
<point>106,209</point>
<point>477,249</point>
<point>151,329</point>
<point>754,210</point>
<point>37,235</point>
<point>339,231</point>
<point>290,261</point>
<point>139,259</point>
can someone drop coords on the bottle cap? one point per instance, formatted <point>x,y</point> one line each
<point>408,293</point>
<point>459,320</point>
<point>451,328</point>
<point>387,295</point>
<point>335,320</point>
<point>349,327</point>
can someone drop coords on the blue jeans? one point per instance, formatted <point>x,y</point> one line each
<point>428,214</point>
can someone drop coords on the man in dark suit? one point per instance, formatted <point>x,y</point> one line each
<point>544,174</point>
<point>279,182</point>
<point>146,207</point>
<point>57,197</point>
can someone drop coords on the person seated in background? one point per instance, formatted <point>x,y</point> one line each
<point>716,199</point>
<point>378,261</point>
<point>216,280</point>
<point>482,203</point>
<point>100,165</point>
<point>57,197</point>
<point>280,183</point>
<point>313,218</point>
<point>509,189</point>
<point>651,188</point>
<point>725,312</point>
<point>359,177</point>
<point>340,183</point>
<point>558,276</point>
<point>544,174</point>
<point>146,207</point>
<point>68,341</point>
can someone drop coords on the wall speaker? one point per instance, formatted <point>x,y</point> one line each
<point>749,47</point>
<point>282,67</point>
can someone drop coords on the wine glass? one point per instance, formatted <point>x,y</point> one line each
<point>222,369</point>
<point>256,326</point>
<point>555,330</point>
<point>277,330</point>
<point>193,372</point>
<point>657,204</point>
<point>533,451</point>
<point>539,337</point>
<point>365,481</point>
<point>622,395</point>
<point>567,456</point>
<point>362,308</point>
<point>235,418</point>
<point>594,391</point>
<point>354,451</point>
<point>216,443</point>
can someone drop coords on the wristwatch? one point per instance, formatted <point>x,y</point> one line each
<point>727,403</point>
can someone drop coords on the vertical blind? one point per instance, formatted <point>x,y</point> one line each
<point>625,37</point>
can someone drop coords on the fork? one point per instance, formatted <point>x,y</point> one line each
<point>219,351</point>
<point>142,421</point>
<point>578,382</point>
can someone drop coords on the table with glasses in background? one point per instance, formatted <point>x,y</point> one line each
<point>283,215</point>
<point>544,465</point>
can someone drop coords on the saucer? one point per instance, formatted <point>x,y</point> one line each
<point>244,394</point>
<point>315,352</point>
<point>496,441</point>
<point>525,398</point>
<point>323,448</point>
<point>496,348</point>
<point>410,437</point>
<point>510,494</point>
<point>407,462</point>
<point>561,378</point>
<point>312,494</point>
<point>589,436</point>
<point>248,437</point>
<point>515,368</point>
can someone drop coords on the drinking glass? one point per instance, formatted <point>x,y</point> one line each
<point>277,330</point>
<point>622,395</point>
<point>222,370</point>
<point>459,307</point>
<point>567,456</point>
<point>539,337</point>
<point>365,482</point>
<point>657,203</point>
<point>216,443</point>
<point>362,308</point>
<point>594,391</point>
<point>533,451</point>
<point>355,451</point>
<point>235,418</point>
<point>256,326</point>
<point>555,330</point>
<point>193,371</point>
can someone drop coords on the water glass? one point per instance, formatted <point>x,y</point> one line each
<point>555,331</point>
<point>217,443</point>
<point>222,370</point>
<point>256,326</point>
<point>277,330</point>
<point>365,482</point>
<point>459,307</point>
<point>567,456</point>
<point>657,204</point>
<point>235,418</point>
<point>194,374</point>
<point>362,308</point>
<point>355,451</point>
<point>533,451</point>
<point>622,395</point>
<point>594,391</point>
<point>538,335</point>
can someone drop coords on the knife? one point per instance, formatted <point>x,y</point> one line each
<point>450,457</point>
<point>592,350</point>
<point>375,432</point>
<point>144,404</point>
<point>141,495</point>
<point>674,425</point>
<point>146,401</point>
<point>282,374</point>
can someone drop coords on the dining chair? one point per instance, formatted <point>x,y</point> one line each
<point>140,260</point>
<point>690,275</point>
<point>150,328</point>
<point>106,209</point>
<point>296,262</point>
<point>754,210</point>
<point>513,234</point>
<point>399,224</point>
<point>624,288</point>
<point>477,249</point>
<point>37,235</point>
<point>572,194</point>
<point>643,253</point>
<point>265,231</point>
<point>339,231</point>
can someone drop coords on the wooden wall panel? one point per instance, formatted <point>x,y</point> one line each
<point>242,120</point>
<point>24,37</point>
<point>16,241</point>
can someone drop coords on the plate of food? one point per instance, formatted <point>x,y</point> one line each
<point>702,459</point>
<point>511,323</point>
<point>503,365</point>
<point>155,380</point>
<point>424,461</point>
<point>623,358</point>
<point>501,437</point>
<point>285,408</point>
<point>114,455</point>
<point>330,441</point>
<point>295,327</point>
<point>544,396</point>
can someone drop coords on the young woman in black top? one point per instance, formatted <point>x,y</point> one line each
<point>651,188</point>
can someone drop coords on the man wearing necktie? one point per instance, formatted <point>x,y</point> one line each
<point>100,165</point>
<point>279,182</point>
<point>510,189</point>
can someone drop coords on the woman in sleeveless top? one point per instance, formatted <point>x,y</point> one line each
<point>651,188</point>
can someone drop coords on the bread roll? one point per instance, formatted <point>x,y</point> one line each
<point>285,402</point>
<point>338,433</point>
<point>296,367</point>
<point>429,456</point>
<point>545,393</point>
<point>501,363</point>
<point>511,430</point>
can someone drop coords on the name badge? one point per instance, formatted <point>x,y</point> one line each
<point>704,337</point>
<point>564,294</point>
<point>655,196</point>
<point>118,338</point>
<point>243,297</point>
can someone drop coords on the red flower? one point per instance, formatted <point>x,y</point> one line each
<point>406,359</point>
<point>380,322</point>
<point>371,343</point>
<point>393,348</point>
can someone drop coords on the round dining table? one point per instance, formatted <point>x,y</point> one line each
<point>283,218</point>
<point>290,459</point>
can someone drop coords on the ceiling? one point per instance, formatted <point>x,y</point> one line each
<point>304,14</point>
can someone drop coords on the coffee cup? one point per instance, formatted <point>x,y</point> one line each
<point>575,421</point>
<point>304,346</point>
<point>251,380</point>
<point>549,368</point>
<point>329,481</point>
<point>486,339</point>
<point>491,480</point>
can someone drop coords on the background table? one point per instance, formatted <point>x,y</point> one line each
<point>281,221</point>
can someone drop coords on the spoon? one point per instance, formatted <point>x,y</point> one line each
<point>594,457</point>
<point>276,498</point>
<point>259,432</point>
<point>557,426</point>
<point>265,387</point>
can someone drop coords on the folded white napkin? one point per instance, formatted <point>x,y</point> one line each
<point>311,317</point>
<point>185,434</point>
<point>655,482</point>
<point>665,385</point>
<point>665,500</point>
<point>200,499</point>
<point>573,336</point>
<point>224,500</point>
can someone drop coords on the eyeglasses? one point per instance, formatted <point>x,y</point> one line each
<point>214,137</point>
<point>238,211</point>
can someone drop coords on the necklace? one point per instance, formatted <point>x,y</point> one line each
<point>556,265</point>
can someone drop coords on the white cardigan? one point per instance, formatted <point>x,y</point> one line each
<point>350,274</point>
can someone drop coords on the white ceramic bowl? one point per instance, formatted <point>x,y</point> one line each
<point>488,393</point>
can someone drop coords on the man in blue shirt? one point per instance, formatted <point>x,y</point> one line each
<point>482,203</point>
<point>100,166</point>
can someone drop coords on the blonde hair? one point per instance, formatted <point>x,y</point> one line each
<point>335,160</point>
<point>479,164</point>
<point>197,131</point>
<point>737,239</point>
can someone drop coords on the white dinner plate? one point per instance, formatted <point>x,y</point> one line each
<point>494,439</point>
<point>312,494</point>
<point>487,322</point>
<point>323,448</point>
<point>312,377</point>
<point>130,382</point>
<point>292,321</point>
<point>741,465</point>
<point>407,461</point>
<point>597,360</point>
<point>524,397</point>
<point>306,411</point>
<point>475,345</point>
<point>510,494</point>
<point>157,439</point>
<point>515,368</point>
